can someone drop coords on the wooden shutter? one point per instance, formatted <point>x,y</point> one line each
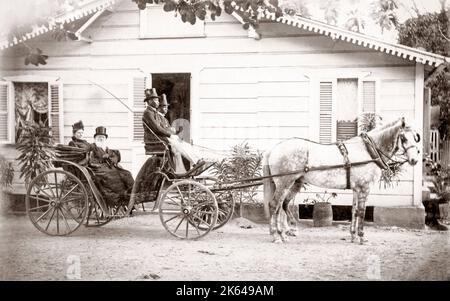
<point>346,130</point>
<point>139,86</point>
<point>56,112</point>
<point>325,112</point>
<point>368,105</point>
<point>5,129</point>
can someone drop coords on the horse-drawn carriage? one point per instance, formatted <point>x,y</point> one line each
<point>60,200</point>
<point>191,205</point>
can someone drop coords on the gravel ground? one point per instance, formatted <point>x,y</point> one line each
<point>139,248</point>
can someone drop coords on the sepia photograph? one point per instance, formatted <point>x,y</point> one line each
<point>188,141</point>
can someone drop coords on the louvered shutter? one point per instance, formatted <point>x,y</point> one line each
<point>346,130</point>
<point>368,105</point>
<point>139,86</point>
<point>4,114</point>
<point>56,112</point>
<point>326,112</point>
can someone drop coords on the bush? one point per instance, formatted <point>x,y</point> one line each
<point>243,163</point>
<point>36,152</point>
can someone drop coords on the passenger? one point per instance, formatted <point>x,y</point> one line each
<point>77,141</point>
<point>114,182</point>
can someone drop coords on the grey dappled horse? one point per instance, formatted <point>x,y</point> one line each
<point>295,154</point>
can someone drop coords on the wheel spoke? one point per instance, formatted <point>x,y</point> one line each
<point>70,213</point>
<point>57,218</point>
<point>56,187</point>
<point>65,220</point>
<point>176,229</point>
<point>196,228</point>
<point>48,184</point>
<point>44,214</point>
<point>39,207</point>
<point>42,190</point>
<point>62,199</point>
<point>173,202</point>
<point>51,217</point>
<point>187,228</point>
<point>202,221</point>
<point>182,198</point>
<point>39,199</point>
<point>173,217</point>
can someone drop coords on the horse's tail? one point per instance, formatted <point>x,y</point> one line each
<point>268,184</point>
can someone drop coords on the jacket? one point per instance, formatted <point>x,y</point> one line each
<point>153,130</point>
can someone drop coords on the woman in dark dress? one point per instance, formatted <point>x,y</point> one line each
<point>77,141</point>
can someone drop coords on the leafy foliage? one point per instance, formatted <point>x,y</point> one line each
<point>6,173</point>
<point>355,22</point>
<point>321,198</point>
<point>441,178</point>
<point>427,31</point>
<point>36,152</point>
<point>384,14</point>
<point>368,121</point>
<point>190,11</point>
<point>243,163</point>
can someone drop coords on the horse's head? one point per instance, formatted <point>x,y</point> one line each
<point>408,143</point>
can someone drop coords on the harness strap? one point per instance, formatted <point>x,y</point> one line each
<point>347,165</point>
<point>373,152</point>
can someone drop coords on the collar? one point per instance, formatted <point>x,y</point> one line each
<point>152,108</point>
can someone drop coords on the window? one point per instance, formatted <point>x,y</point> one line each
<point>347,108</point>
<point>23,100</point>
<point>353,97</point>
<point>153,16</point>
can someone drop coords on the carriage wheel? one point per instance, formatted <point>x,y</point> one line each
<point>188,210</point>
<point>96,216</point>
<point>57,202</point>
<point>225,202</point>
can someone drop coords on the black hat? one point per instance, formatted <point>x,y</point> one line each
<point>150,94</point>
<point>77,126</point>
<point>101,130</point>
<point>163,100</point>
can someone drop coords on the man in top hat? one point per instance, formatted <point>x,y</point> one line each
<point>154,132</point>
<point>113,181</point>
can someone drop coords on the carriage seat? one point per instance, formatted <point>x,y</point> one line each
<point>156,148</point>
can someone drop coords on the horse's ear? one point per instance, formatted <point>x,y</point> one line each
<point>403,122</point>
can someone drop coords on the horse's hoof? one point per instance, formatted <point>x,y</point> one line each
<point>284,238</point>
<point>277,240</point>
<point>362,240</point>
<point>291,233</point>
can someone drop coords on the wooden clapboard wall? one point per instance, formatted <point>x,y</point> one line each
<point>242,89</point>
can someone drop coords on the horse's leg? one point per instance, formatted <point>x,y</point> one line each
<point>292,231</point>
<point>354,213</point>
<point>272,221</point>
<point>281,192</point>
<point>362,198</point>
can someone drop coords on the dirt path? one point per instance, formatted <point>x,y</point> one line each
<point>139,248</point>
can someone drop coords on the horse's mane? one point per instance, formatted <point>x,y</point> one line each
<point>386,136</point>
<point>383,127</point>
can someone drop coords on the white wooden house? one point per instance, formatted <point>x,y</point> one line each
<point>292,77</point>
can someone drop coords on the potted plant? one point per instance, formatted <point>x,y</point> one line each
<point>322,209</point>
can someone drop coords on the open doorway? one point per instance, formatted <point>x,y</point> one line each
<point>177,87</point>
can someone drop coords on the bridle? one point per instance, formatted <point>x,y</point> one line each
<point>403,159</point>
